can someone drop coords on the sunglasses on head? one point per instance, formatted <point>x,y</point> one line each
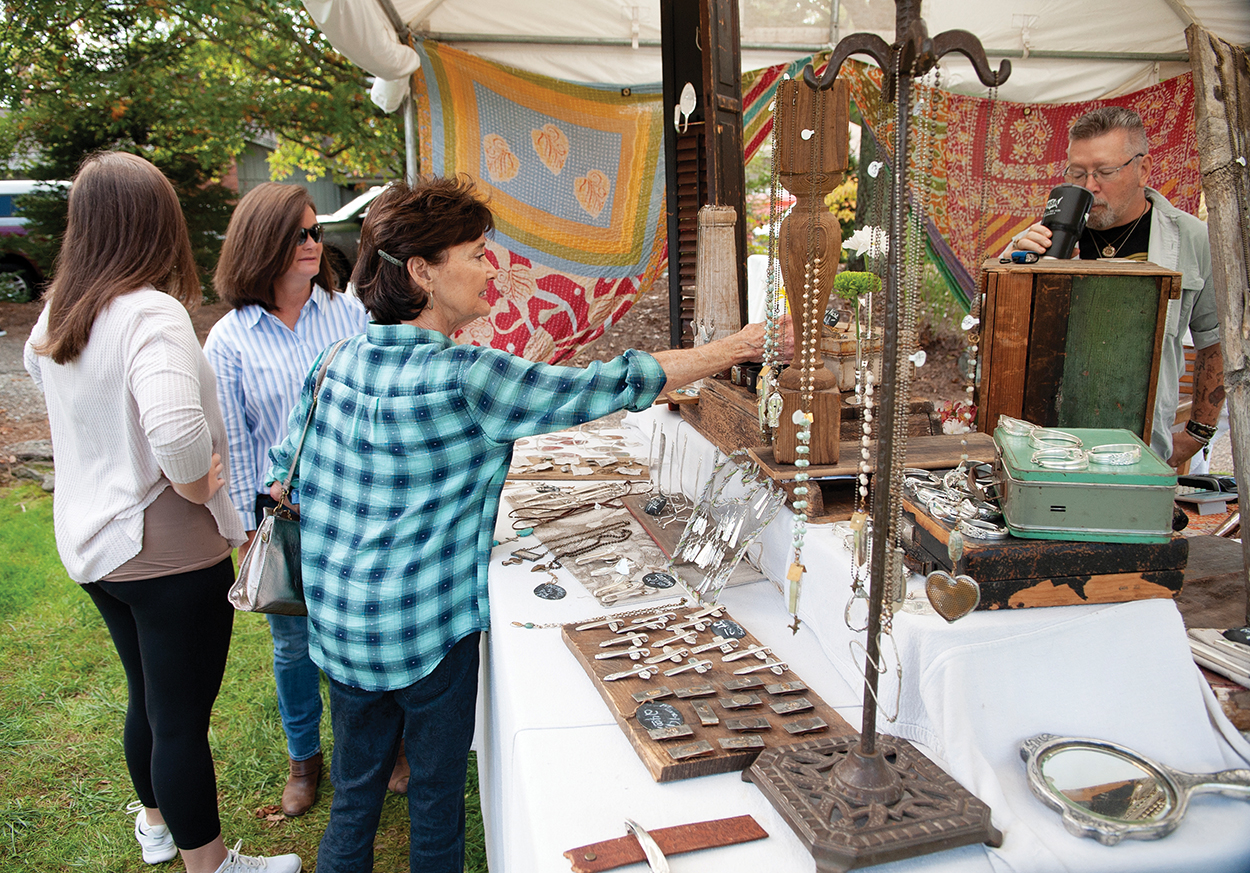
<point>304,233</point>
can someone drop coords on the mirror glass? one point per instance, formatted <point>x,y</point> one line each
<point>1108,785</point>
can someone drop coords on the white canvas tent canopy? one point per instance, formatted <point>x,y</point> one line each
<point>1061,50</point>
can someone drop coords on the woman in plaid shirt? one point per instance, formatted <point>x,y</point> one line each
<point>400,481</point>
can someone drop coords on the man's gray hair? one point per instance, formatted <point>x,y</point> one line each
<point>1104,120</point>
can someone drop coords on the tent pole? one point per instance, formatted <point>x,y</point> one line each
<point>410,137</point>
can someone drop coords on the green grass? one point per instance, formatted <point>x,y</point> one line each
<point>63,783</point>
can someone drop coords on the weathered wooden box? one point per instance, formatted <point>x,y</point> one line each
<point>1073,343</point>
<point>1015,573</point>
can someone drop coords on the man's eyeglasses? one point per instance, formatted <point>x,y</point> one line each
<point>1102,174</point>
<point>304,233</point>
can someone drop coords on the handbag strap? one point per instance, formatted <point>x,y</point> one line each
<point>321,376</point>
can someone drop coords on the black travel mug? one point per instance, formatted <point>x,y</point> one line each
<point>1067,209</point>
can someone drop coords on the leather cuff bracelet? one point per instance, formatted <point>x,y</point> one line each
<point>671,841</point>
<point>1199,431</point>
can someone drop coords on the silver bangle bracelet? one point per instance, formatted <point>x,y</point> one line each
<point>1049,438</point>
<point>1061,459</point>
<point>1115,454</point>
<point>947,510</point>
<point>977,529</point>
<point>1015,427</point>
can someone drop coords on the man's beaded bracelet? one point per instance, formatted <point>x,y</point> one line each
<point>1203,433</point>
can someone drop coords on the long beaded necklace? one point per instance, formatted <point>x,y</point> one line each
<point>769,397</point>
<point>809,356</point>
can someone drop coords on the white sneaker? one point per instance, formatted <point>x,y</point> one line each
<point>156,841</point>
<point>236,863</point>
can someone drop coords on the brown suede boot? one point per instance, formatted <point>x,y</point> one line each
<point>301,786</point>
<point>399,776</point>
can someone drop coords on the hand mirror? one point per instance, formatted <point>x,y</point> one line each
<point>1109,792</point>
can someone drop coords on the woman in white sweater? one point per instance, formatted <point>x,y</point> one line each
<point>141,519</point>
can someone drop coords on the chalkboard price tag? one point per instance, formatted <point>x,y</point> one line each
<point>654,716</point>
<point>550,591</point>
<point>658,580</point>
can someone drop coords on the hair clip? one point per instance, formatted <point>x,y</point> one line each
<point>668,653</point>
<point>655,619</point>
<point>633,654</point>
<point>628,639</point>
<point>646,671</point>
<point>718,642</point>
<point>696,665</point>
<point>390,258</point>
<point>777,667</point>
<point>760,652</point>
<point>679,636</point>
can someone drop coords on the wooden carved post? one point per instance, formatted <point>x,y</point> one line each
<point>1222,107</point>
<point>716,310</point>
<point>811,159</point>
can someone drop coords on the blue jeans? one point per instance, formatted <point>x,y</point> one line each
<point>434,719</point>
<point>299,685</point>
<point>297,677</point>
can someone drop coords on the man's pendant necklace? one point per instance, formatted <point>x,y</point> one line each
<point>1109,250</point>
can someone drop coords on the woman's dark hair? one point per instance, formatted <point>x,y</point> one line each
<point>423,220</point>
<point>260,245</point>
<point>125,231</point>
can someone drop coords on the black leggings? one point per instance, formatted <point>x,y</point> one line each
<point>173,635</point>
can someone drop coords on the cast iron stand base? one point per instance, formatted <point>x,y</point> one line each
<point>933,812</point>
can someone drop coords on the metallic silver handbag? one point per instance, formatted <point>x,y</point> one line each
<point>270,579</point>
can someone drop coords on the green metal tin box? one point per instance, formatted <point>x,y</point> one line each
<point>1104,503</point>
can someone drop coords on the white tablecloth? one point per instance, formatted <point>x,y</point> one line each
<point>557,772</point>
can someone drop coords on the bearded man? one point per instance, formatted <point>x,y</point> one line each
<point>1109,154</point>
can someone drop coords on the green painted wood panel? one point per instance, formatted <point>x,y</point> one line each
<point>1109,352</point>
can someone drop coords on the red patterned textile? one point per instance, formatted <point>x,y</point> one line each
<point>1018,155</point>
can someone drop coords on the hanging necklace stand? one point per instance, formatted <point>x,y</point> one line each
<point>856,802</point>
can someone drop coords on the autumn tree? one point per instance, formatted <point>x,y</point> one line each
<point>185,83</point>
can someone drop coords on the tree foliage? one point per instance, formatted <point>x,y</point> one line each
<point>186,84</point>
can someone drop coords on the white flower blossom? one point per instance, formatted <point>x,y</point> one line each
<point>870,240</point>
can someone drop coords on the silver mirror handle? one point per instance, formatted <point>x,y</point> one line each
<point>1229,783</point>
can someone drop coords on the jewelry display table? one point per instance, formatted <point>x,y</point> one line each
<point>557,772</point>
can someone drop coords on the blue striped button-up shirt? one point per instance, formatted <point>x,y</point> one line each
<point>401,475</point>
<point>260,365</point>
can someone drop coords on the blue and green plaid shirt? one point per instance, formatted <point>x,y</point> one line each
<point>400,479</point>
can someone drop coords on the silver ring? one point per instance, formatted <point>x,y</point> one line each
<point>1049,438</point>
<point>976,529</point>
<point>1061,459</point>
<point>1115,454</point>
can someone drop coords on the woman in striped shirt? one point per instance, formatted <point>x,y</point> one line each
<point>275,273</point>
